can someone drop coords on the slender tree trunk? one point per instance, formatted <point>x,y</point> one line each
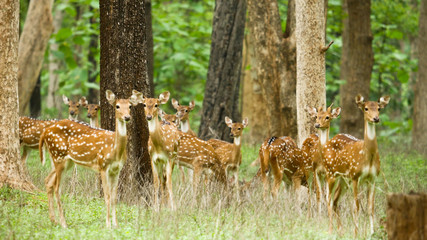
<point>288,86</point>
<point>357,62</point>
<point>310,37</point>
<point>419,136</point>
<point>36,101</point>
<point>12,171</point>
<point>54,100</point>
<point>93,96</point>
<point>123,68</point>
<point>222,85</point>
<point>264,23</point>
<point>32,46</point>
<point>150,45</point>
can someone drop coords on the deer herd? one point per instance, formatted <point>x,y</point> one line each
<point>319,161</point>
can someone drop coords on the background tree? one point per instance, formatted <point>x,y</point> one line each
<point>310,40</point>
<point>12,171</point>
<point>123,68</point>
<point>356,62</point>
<point>222,85</point>
<point>419,138</point>
<point>32,45</point>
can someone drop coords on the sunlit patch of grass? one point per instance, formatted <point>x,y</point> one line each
<point>214,216</point>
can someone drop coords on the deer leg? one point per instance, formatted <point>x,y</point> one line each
<point>355,207</point>
<point>197,173</point>
<point>371,201</point>
<point>106,189</point>
<point>330,185</point>
<point>25,153</point>
<point>169,169</point>
<point>265,181</point>
<point>278,177</point>
<point>236,182</point>
<point>337,196</point>
<point>50,181</point>
<point>319,193</point>
<point>59,169</point>
<point>114,179</point>
<point>156,184</point>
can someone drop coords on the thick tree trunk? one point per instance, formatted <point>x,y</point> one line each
<point>264,23</point>
<point>310,37</point>
<point>12,171</point>
<point>356,64</point>
<point>419,136</point>
<point>123,68</point>
<point>288,86</point>
<point>32,46</point>
<point>54,100</point>
<point>252,98</point>
<point>222,85</point>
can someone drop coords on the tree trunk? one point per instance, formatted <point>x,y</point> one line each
<point>357,62</point>
<point>36,100</point>
<point>93,95</point>
<point>288,86</point>
<point>12,171</point>
<point>54,100</point>
<point>32,46</point>
<point>264,23</point>
<point>419,136</point>
<point>123,68</point>
<point>310,37</point>
<point>252,95</point>
<point>222,85</point>
<point>150,45</point>
<point>407,216</point>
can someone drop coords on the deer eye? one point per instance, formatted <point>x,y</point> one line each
<point>78,105</point>
<point>379,109</point>
<point>130,106</point>
<point>144,105</point>
<point>366,109</point>
<point>156,105</point>
<point>117,106</point>
<point>327,117</point>
<point>186,110</point>
<point>238,128</point>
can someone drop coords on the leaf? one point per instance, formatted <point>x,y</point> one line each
<point>63,34</point>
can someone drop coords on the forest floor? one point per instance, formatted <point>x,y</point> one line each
<point>25,216</point>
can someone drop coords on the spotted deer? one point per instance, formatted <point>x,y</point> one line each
<point>68,142</point>
<point>314,144</point>
<point>92,112</point>
<point>73,107</point>
<point>29,134</point>
<point>183,112</point>
<point>162,146</point>
<point>170,118</point>
<point>346,157</point>
<point>230,154</point>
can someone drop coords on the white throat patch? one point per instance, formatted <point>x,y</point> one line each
<point>92,123</point>
<point>185,126</point>
<point>152,125</point>
<point>121,128</point>
<point>371,131</point>
<point>237,141</point>
<point>323,136</point>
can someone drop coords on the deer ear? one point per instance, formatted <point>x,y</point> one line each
<point>175,103</point>
<point>136,98</point>
<point>383,101</point>
<point>65,99</point>
<point>83,101</point>
<point>336,112</point>
<point>312,111</point>
<point>228,121</point>
<point>161,114</point>
<point>192,105</point>
<point>245,122</point>
<point>360,101</point>
<point>164,97</point>
<point>110,97</point>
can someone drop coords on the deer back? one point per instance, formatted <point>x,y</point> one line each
<point>31,129</point>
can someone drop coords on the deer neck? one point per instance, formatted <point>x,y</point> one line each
<point>94,122</point>
<point>324,136</point>
<point>236,147</point>
<point>185,126</point>
<point>71,117</point>
<point>153,125</point>
<point>370,138</point>
<point>120,138</point>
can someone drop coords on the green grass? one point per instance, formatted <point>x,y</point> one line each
<point>25,216</point>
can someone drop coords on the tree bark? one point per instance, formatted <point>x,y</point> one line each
<point>36,100</point>
<point>123,68</point>
<point>32,45</point>
<point>357,62</point>
<point>310,37</point>
<point>54,100</point>
<point>93,95</point>
<point>12,171</point>
<point>419,129</point>
<point>264,23</point>
<point>150,45</point>
<point>223,80</point>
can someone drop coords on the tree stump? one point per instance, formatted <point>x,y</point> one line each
<point>407,216</point>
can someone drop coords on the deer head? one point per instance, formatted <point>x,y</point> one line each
<point>73,107</point>
<point>182,112</point>
<point>371,109</point>
<point>323,118</point>
<point>236,128</point>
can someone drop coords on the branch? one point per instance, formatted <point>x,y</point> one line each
<point>325,48</point>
